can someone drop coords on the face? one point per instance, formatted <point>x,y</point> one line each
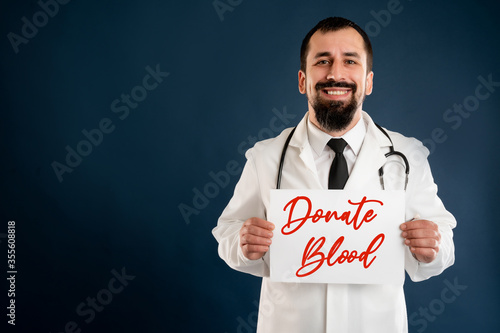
<point>336,80</point>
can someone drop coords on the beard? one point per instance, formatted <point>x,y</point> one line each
<point>334,116</point>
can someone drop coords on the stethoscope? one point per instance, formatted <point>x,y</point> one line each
<point>380,171</point>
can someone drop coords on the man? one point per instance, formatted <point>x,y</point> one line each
<point>336,75</point>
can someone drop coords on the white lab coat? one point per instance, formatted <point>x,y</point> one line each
<point>311,308</point>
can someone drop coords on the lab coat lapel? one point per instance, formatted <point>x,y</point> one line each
<point>303,168</point>
<point>371,157</point>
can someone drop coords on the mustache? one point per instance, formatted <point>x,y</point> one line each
<point>335,84</point>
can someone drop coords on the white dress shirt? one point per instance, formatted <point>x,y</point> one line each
<point>324,155</point>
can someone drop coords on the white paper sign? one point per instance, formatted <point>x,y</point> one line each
<point>337,236</point>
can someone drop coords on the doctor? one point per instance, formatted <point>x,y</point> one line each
<point>335,75</point>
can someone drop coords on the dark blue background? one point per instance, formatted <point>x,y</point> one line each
<point>119,208</point>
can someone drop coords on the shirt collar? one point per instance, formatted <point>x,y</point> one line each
<point>354,137</point>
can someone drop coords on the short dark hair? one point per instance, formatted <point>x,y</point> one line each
<point>335,24</point>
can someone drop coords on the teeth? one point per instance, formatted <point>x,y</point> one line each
<point>337,92</point>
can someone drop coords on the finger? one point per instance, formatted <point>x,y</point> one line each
<point>258,231</point>
<point>255,221</point>
<point>249,248</point>
<point>419,224</point>
<point>255,231</point>
<point>254,252</point>
<point>421,233</point>
<point>254,240</point>
<point>424,254</point>
<point>423,243</point>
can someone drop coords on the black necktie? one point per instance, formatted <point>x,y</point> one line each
<point>338,170</point>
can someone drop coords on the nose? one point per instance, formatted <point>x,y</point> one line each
<point>336,72</point>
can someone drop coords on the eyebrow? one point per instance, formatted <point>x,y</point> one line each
<point>322,54</point>
<point>328,54</point>
<point>352,54</point>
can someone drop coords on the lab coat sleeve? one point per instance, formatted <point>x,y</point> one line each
<point>245,203</point>
<point>422,199</point>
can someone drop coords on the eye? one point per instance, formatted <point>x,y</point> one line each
<point>350,62</point>
<point>322,62</point>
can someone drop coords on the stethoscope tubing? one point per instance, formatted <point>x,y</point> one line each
<point>380,171</point>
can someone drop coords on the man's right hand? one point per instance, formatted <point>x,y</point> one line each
<point>255,237</point>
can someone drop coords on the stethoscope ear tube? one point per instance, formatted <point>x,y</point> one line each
<point>282,159</point>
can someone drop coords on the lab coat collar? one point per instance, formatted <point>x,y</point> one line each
<point>300,140</point>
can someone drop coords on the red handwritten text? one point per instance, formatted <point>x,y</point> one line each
<point>295,224</point>
<point>313,252</point>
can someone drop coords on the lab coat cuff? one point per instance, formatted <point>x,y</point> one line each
<point>411,264</point>
<point>420,271</point>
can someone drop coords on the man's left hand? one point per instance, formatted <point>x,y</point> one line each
<point>423,239</point>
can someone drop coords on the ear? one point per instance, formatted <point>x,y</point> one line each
<point>369,83</point>
<point>302,82</point>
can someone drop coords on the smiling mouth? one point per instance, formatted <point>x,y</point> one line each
<point>336,92</point>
